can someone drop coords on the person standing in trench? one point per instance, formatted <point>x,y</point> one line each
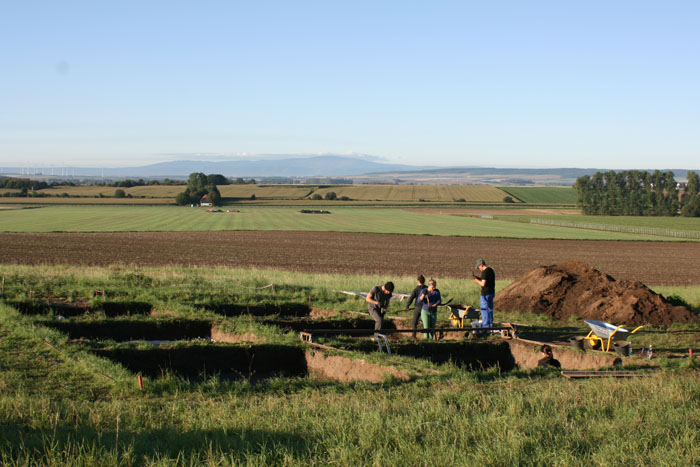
<point>487,281</point>
<point>431,301</point>
<point>378,302</point>
<point>417,292</point>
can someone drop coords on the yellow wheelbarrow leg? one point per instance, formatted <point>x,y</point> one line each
<point>611,336</point>
<point>592,338</point>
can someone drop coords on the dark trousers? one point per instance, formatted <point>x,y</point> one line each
<point>416,318</point>
<point>378,318</point>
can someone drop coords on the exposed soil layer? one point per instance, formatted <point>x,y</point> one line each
<point>507,354</point>
<point>218,335</point>
<point>576,289</point>
<point>470,355</point>
<point>230,361</point>
<point>527,354</point>
<point>332,252</point>
<point>347,369</point>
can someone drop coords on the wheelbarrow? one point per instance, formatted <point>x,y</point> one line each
<point>600,330</point>
<point>458,313</point>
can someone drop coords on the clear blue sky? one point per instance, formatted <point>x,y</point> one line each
<point>608,84</point>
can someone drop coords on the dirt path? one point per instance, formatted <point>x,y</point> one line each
<point>654,263</point>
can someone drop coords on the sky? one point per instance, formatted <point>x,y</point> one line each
<point>592,84</point>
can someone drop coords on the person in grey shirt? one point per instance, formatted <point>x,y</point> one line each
<point>378,303</point>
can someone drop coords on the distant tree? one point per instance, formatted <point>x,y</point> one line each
<point>217,179</point>
<point>239,181</point>
<point>196,181</point>
<point>197,187</point>
<point>693,184</point>
<point>691,200</point>
<point>213,195</point>
<point>506,199</point>
<point>119,193</point>
<point>628,193</point>
<point>252,196</point>
<point>182,199</point>
<point>331,195</point>
<point>316,197</point>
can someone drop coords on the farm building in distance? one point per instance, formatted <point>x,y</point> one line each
<point>205,201</point>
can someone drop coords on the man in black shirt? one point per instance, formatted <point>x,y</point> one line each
<point>487,281</point>
<point>378,302</point>
<point>415,295</point>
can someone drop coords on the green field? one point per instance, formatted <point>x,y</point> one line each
<point>691,224</point>
<point>61,403</point>
<point>542,194</point>
<point>373,220</point>
<point>670,227</point>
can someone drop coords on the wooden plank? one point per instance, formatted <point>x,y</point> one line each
<point>603,374</point>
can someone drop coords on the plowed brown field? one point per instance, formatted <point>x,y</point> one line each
<point>654,263</point>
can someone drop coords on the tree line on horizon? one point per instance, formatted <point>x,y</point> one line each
<point>638,193</point>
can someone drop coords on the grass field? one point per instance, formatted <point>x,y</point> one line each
<point>63,404</point>
<point>373,220</point>
<point>691,224</point>
<point>542,194</point>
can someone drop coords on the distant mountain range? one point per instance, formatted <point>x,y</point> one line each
<point>330,165</point>
<point>360,169</point>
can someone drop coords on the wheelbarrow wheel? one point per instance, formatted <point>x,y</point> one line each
<point>593,344</point>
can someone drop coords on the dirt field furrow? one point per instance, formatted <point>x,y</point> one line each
<point>650,262</point>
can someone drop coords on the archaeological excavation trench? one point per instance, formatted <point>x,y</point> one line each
<point>228,361</point>
<point>198,348</point>
<point>72,309</point>
<point>234,309</point>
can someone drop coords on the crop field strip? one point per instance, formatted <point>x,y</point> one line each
<point>359,220</point>
<point>472,193</point>
<point>86,201</point>
<point>658,263</point>
<point>542,194</point>
<point>442,193</point>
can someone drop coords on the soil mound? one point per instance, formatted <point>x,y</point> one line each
<point>576,289</point>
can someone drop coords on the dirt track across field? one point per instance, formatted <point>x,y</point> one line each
<point>655,263</point>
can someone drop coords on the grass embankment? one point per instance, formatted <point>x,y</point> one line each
<point>62,405</point>
<point>370,220</point>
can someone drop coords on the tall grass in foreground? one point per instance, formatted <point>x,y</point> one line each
<point>444,421</point>
<point>68,407</point>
